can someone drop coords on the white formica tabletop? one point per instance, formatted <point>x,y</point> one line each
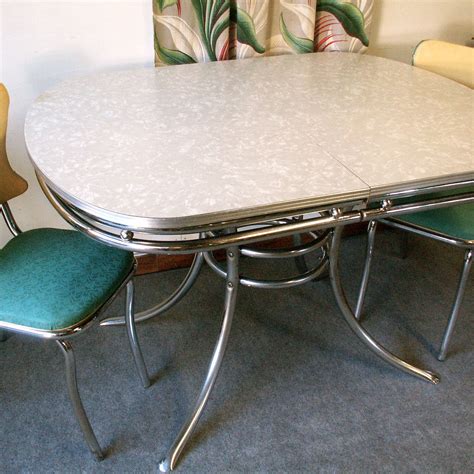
<point>195,143</point>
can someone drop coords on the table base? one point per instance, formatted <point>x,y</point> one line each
<point>234,241</point>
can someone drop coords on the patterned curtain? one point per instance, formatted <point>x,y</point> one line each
<point>188,31</point>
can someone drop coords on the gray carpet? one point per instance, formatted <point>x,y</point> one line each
<point>298,392</point>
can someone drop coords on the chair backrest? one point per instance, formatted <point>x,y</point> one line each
<point>11,184</point>
<point>453,61</point>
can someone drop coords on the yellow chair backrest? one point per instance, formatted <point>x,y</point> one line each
<point>453,61</point>
<point>11,184</point>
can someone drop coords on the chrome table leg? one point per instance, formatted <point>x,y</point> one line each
<point>354,324</point>
<point>132,335</point>
<point>457,304</point>
<point>174,298</point>
<point>79,411</point>
<point>368,260</point>
<point>169,462</point>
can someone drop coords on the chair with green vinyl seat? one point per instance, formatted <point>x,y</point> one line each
<point>54,283</point>
<point>452,225</point>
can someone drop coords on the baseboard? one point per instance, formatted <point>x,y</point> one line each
<point>162,263</point>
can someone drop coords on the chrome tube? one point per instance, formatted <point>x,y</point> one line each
<point>212,262</point>
<point>9,219</point>
<point>299,259</point>
<point>429,233</point>
<point>286,282</point>
<point>127,239</point>
<point>468,255</point>
<point>351,320</point>
<point>133,337</point>
<point>169,302</point>
<point>169,462</point>
<point>79,411</point>
<point>247,216</point>
<point>382,193</point>
<point>389,210</point>
<point>209,222</point>
<point>298,250</point>
<point>368,260</point>
<point>272,284</point>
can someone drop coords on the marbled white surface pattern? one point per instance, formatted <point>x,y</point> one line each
<point>220,137</point>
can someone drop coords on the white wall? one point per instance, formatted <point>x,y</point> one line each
<point>44,42</point>
<point>399,25</point>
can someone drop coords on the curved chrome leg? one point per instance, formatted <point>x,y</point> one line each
<point>132,335</point>
<point>457,304</point>
<point>79,411</point>
<point>169,462</point>
<point>363,335</point>
<point>300,261</point>
<point>9,219</point>
<point>160,308</point>
<point>368,259</point>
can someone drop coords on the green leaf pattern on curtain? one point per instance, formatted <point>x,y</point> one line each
<point>343,26</point>
<point>299,45</point>
<point>162,4</point>
<point>188,31</point>
<point>246,31</point>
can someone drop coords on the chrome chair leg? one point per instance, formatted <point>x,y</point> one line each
<point>173,299</point>
<point>132,335</point>
<point>79,411</point>
<point>457,304</point>
<point>169,462</point>
<point>368,260</point>
<point>354,324</point>
<point>9,219</point>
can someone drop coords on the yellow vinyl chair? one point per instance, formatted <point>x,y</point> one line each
<point>453,61</point>
<point>54,283</point>
<point>452,225</point>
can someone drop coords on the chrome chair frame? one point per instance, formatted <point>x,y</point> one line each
<point>467,245</point>
<point>61,337</point>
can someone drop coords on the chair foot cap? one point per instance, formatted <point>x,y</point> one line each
<point>164,465</point>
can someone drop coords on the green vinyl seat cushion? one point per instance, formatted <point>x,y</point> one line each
<point>51,279</point>
<point>454,221</point>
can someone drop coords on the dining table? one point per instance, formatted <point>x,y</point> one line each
<point>196,158</point>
